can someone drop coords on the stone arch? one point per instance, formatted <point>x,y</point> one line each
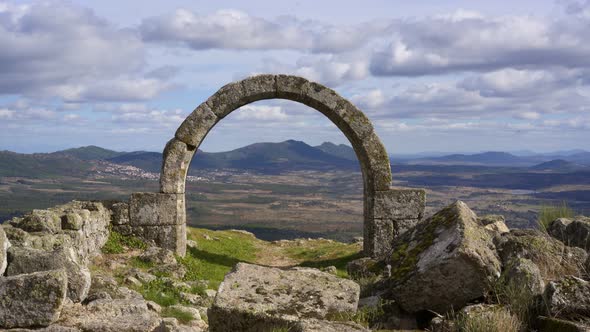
<point>379,226</point>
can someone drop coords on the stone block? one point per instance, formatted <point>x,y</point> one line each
<point>156,209</point>
<point>24,260</point>
<point>257,298</point>
<point>32,300</point>
<point>175,165</point>
<point>258,87</point>
<point>400,204</point>
<point>196,126</point>
<point>227,99</point>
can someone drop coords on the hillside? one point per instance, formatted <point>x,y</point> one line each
<point>559,165</point>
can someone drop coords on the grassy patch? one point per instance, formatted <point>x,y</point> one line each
<point>161,292</point>
<point>324,253</point>
<point>216,256</point>
<point>548,213</point>
<point>498,320</point>
<point>182,316</point>
<point>365,316</point>
<point>117,243</point>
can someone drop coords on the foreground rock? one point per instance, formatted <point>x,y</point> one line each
<point>4,245</point>
<point>256,298</point>
<point>573,232</point>
<point>568,298</point>
<point>28,260</point>
<point>34,299</point>
<point>111,315</point>
<point>552,257</point>
<point>444,262</point>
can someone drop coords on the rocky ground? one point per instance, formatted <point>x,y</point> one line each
<point>64,269</point>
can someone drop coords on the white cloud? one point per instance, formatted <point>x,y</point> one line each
<point>236,30</point>
<point>261,113</point>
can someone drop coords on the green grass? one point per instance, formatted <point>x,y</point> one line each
<point>117,243</point>
<point>548,213</point>
<point>497,320</point>
<point>324,253</point>
<point>161,292</point>
<point>364,316</point>
<point>182,316</point>
<point>212,259</point>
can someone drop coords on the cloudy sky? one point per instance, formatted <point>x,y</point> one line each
<point>452,76</point>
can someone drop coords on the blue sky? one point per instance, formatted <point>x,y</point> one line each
<point>452,76</point>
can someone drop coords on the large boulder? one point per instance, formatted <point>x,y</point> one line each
<point>34,299</point>
<point>443,263</point>
<point>257,298</point>
<point>111,315</point>
<point>573,232</point>
<point>4,245</point>
<point>27,260</point>
<point>551,256</point>
<point>568,298</point>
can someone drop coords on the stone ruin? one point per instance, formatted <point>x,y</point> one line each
<point>388,212</point>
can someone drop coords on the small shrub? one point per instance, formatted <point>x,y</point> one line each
<point>182,316</point>
<point>117,242</point>
<point>498,320</point>
<point>548,213</point>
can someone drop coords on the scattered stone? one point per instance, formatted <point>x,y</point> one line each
<point>187,310</point>
<point>365,267</point>
<point>551,256</point>
<point>568,298</point>
<point>158,256</point>
<point>191,243</point>
<point>4,245</point>
<point>495,223</point>
<point>153,306</point>
<point>192,299</point>
<point>330,269</point>
<point>450,255</point>
<point>358,239</point>
<point>207,237</point>
<point>573,232</point>
<point>210,293</point>
<point>27,260</point>
<point>34,299</point>
<point>141,276</point>
<point>523,274</point>
<point>132,281</point>
<point>255,298</point>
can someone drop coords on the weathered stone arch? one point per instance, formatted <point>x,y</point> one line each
<point>379,219</point>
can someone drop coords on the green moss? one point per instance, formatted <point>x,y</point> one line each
<point>117,243</point>
<point>405,255</point>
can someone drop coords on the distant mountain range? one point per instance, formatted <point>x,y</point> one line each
<point>270,158</point>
